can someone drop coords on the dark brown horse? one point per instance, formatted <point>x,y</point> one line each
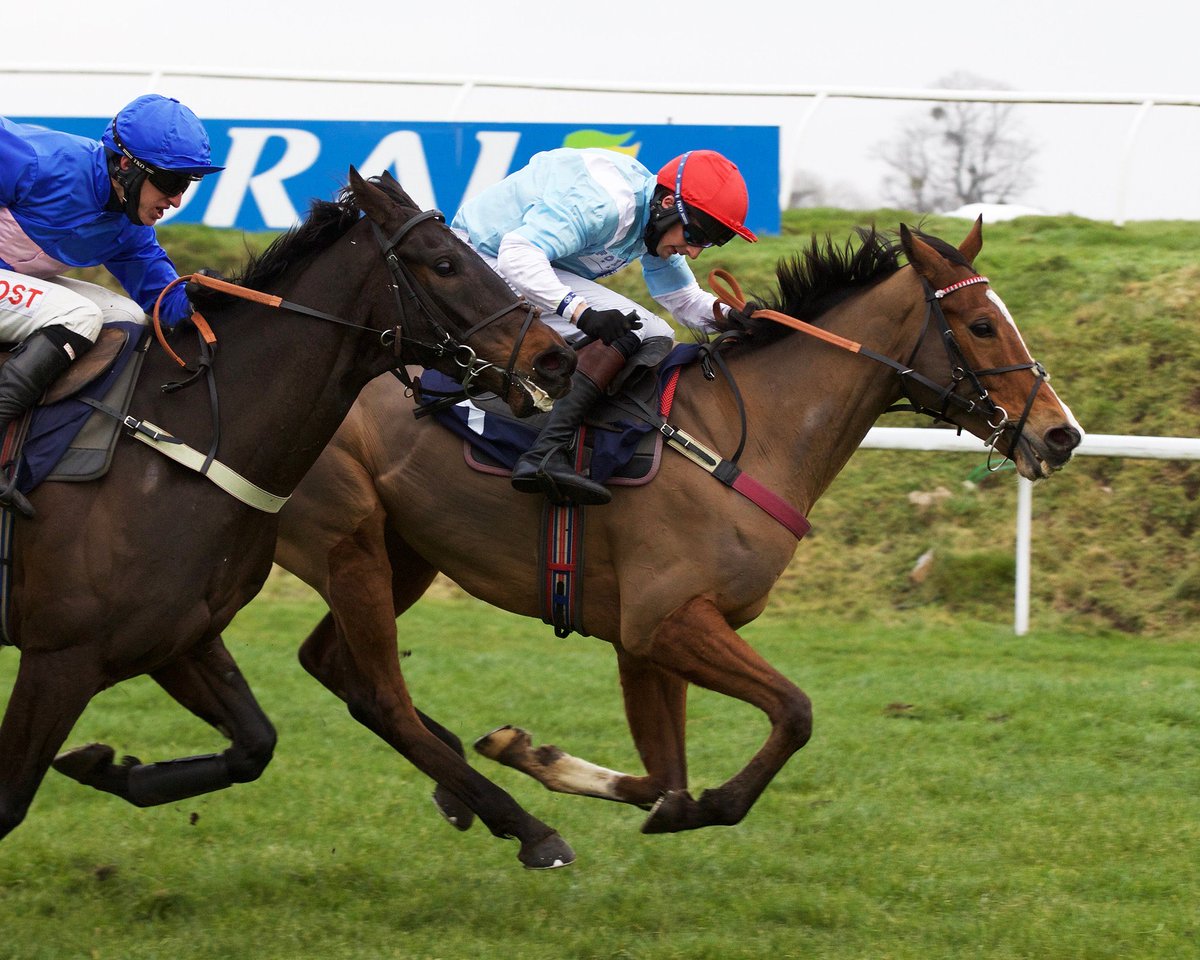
<point>390,503</point>
<point>139,572</point>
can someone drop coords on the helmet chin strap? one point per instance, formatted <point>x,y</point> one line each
<point>661,220</point>
<point>131,182</point>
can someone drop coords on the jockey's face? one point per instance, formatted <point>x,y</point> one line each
<point>152,201</point>
<point>673,241</point>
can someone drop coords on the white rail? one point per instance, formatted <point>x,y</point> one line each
<point>1093,445</point>
<point>791,150</point>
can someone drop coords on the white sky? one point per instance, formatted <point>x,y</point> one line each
<point>1143,49</point>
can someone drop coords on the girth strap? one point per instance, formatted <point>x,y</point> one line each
<point>227,479</point>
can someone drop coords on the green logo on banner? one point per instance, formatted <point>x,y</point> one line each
<point>598,138</point>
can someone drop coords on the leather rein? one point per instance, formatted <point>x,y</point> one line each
<point>729,292</point>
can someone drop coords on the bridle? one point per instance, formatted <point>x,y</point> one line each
<point>977,400</point>
<point>961,372</point>
<point>405,287</point>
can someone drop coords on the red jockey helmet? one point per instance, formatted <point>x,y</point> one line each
<point>707,182</point>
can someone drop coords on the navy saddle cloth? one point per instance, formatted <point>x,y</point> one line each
<point>54,426</point>
<point>500,438</point>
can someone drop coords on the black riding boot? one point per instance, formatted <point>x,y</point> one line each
<point>23,379</point>
<point>546,467</point>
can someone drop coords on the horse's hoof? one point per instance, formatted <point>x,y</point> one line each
<point>81,763</point>
<point>676,810</point>
<point>547,854</point>
<point>501,740</point>
<point>453,811</point>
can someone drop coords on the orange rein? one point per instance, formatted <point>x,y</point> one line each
<point>213,283</point>
<point>729,292</point>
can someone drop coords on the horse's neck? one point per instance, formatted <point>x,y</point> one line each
<point>285,380</point>
<point>810,403</point>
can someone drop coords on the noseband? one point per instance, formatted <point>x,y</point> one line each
<point>405,287</point>
<point>977,399</point>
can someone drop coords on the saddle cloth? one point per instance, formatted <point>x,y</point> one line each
<point>621,448</point>
<point>67,439</point>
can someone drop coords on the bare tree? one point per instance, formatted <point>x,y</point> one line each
<point>959,152</point>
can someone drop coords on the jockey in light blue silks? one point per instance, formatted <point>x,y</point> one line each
<point>67,201</point>
<point>571,217</point>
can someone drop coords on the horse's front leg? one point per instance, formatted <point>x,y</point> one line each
<point>49,695</point>
<point>209,683</point>
<point>358,661</point>
<point>655,707</point>
<point>695,643</point>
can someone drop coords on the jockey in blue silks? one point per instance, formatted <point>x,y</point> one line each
<point>68,201</point>
<point>570,217</point>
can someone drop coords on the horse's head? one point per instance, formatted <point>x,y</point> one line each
<point>995,389</point>
<point>457,315</point>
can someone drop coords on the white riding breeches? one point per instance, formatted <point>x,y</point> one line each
<point>598,297</point>
<point>27,304</point>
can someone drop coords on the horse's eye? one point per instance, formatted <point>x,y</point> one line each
<point>444,268</point>
<point>983,328</point>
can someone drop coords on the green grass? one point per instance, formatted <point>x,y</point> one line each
<point>966,794</point>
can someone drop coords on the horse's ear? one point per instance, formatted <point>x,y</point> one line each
<point>924,259</point>
<point>971,246</point>
<point>372,201</point>
<point>402,194</point>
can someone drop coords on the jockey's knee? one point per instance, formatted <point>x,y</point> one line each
<point>83,321</point>
<point>72,342</point>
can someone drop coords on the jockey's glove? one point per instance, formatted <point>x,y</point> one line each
<point>607,325</point>
<point>196,291</point>
<point>740,319</point>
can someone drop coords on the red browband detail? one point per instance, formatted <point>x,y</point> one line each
<point>955,286</point>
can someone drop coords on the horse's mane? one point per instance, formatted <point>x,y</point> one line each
<point>327,220</point>
<point>822,275</point>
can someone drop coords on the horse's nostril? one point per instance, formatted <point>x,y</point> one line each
<point>554,363</point>
<point>1063,438</point>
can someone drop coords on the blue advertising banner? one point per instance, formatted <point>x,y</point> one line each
<point>274,168</point>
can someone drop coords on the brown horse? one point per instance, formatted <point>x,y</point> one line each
<point>139,572</point>
<point>390,503</point>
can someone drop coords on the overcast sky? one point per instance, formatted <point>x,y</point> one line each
<point>1144,49</point>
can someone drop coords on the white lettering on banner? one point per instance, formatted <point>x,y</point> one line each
<point>403,153</point>
<point>246,146</point>
<point>496,151</point>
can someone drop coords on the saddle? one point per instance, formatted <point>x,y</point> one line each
<point>93,364</point>
<point>620,447</point>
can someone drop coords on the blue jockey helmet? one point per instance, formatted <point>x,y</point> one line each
<point>163,134</point>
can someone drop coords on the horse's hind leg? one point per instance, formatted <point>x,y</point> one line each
<point>695,643</point>
<point>49,695</point>
<point>208,682</point>
<point>655,706</point>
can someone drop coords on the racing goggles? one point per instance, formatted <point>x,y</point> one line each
<point>170,182</point>
<point>701,230</point>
